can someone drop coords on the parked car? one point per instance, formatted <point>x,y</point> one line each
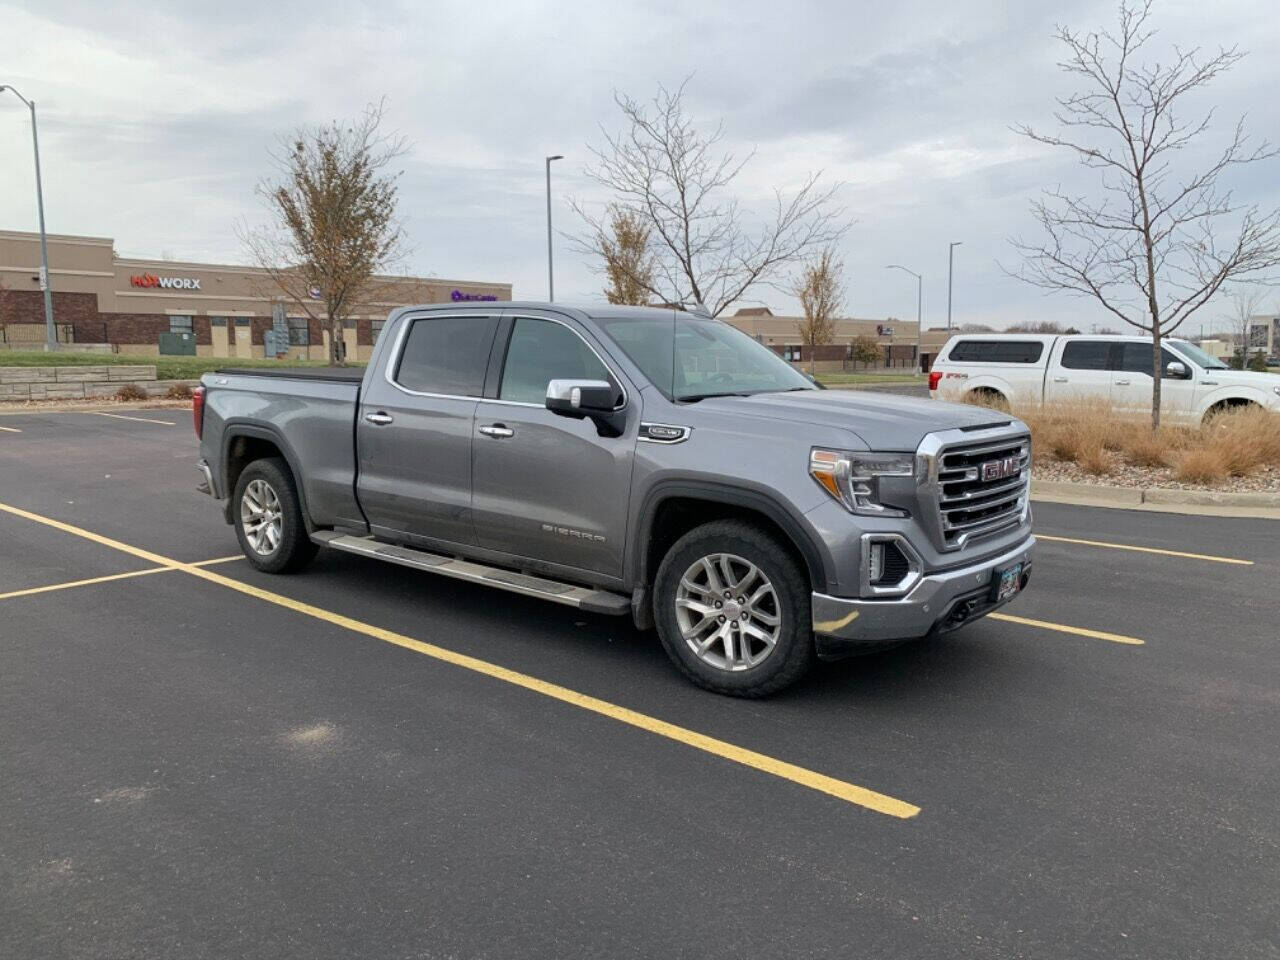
<point>1117,371</point>
<point>631,461</point>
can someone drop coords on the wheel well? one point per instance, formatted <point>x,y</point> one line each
<point>676,516</point>
<point>1228,405</point>
<point>241,452</point>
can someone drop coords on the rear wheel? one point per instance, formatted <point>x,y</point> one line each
<point>986,397</point>
<point>268,518</point>
<point>732,608</point>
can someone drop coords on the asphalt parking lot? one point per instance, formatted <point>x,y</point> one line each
<point>362,760</point>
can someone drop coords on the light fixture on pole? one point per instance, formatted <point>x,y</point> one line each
<point>51,338</point>
<point>951,253</point>
<point>919,303</point>
<point>551,280</point>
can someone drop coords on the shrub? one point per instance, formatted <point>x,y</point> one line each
<point>131,391</point>
<point>179,391</point>
<point>1147,450</point>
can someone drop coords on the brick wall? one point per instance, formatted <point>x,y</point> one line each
<point>78,309</point>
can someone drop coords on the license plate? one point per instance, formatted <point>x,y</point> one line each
<point>1006,583</point>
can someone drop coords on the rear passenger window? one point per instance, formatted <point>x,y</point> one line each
<point>996,351</point>
<point>447,355</point>
<point>1087,355</point>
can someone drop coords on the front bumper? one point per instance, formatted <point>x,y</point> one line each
<point>939,602</point>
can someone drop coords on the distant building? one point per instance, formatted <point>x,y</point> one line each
<point>133,306</point>
<point>896,337</point>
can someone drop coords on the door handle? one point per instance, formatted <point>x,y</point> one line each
<point>1059,379</point>
<point>497,431</point>
<point>1122,383</point>
<point>381,419</point>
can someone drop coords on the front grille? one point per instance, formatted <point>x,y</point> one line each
<point>970,507</point>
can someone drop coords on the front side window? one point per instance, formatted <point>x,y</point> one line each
<point>1136,358</point>
<point>1197,356</point>
<point>1088,355</point>
<point>541,351</point>
<point>689,358</point>
<point>446,355</point>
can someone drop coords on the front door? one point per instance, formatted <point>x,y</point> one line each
<point>1134,384</point>
<point>548,487</point>
<point>414,431</point>
<point>244,337</point>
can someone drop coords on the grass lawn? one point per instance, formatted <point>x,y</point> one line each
<point>840,379</point>
<point>167,368</point>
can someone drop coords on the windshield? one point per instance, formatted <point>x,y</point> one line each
<point>690,358</point>
<point>1196,355</point>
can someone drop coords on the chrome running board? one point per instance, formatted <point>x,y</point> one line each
<point>571,595</point>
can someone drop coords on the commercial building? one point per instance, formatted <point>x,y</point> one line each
<point>898,339</point>
<point>143,307</point>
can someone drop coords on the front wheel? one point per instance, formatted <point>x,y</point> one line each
<point>268,518</point>
<point>732,608</point>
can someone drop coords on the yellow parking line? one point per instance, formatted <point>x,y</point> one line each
<point>849,792</point>
<point>1063,628</point>
<point>120,416</point>
<point>10,429</point>
<point>1137,549</point>
<point>49,588</point>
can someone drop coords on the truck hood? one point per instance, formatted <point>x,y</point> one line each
<point>1243,378</point>
<point>883,421</point>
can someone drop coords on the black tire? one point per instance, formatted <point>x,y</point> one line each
<point>294,549</point>
<point>793,650</point>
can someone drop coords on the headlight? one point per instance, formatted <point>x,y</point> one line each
<point>1276,391</point>
<point>854,478</point>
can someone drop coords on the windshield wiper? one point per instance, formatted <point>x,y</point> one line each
<point>695,397</point>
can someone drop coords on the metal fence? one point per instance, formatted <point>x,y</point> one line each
<point>31,336</point>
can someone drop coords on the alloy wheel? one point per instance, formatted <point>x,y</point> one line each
<point>728,612</point>
<point>260,517</point>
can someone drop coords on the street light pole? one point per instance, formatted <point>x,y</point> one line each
<point>919,305</point>
<point>951,254</point>
<point>50,335</point>
<point>551,281</point>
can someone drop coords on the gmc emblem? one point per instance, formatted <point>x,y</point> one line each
<point>999,469</point>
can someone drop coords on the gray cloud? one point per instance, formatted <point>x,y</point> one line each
<point>156,119</point>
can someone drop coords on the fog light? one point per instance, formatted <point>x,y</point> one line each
<point>877,562</point>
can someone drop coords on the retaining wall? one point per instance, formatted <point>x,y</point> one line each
<point>76,383</point>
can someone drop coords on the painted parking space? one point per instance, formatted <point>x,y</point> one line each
<point>200,742</point>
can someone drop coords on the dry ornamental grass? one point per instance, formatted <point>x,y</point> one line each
<point>1241,443</point>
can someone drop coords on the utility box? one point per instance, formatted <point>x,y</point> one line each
<point>182,344</point>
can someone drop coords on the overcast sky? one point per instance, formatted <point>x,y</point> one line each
<point>156,120</point>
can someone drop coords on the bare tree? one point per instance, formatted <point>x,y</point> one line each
<point>821,291</point>
<point>1160,237</point>
<point>333,201</point>
<point>1246,303</point>
<point>866,349</point>
<point>677,180</point>
<point>628,259</point>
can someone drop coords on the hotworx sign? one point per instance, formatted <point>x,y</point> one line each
<point>168,283</point>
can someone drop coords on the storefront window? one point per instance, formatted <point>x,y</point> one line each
<point>299,334</point>
<point>377,329</point>
<point>179,324</point>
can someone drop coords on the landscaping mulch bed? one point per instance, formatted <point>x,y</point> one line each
<point>1122,474</point>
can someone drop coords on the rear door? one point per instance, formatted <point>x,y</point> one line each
<point>415,425</point>
<point>1080,372</point>
<point>548,487</point>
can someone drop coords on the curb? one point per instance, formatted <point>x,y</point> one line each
<point>1164,500</point>
<point>29,409</point>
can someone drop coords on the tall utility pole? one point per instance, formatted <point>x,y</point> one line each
<point>951,256</point>
<point>551,280</point>
<point>919,305</point>
<point>50,334</point>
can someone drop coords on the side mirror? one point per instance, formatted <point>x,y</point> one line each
<point>1177,370</point>
<point>581,399</point>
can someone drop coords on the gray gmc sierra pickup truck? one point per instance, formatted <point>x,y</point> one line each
<point>632,461</point>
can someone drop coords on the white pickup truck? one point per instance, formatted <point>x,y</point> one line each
<point>1030,369</point>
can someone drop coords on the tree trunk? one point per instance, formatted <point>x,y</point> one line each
<point>1157,372</point>
<point>336,357</point>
